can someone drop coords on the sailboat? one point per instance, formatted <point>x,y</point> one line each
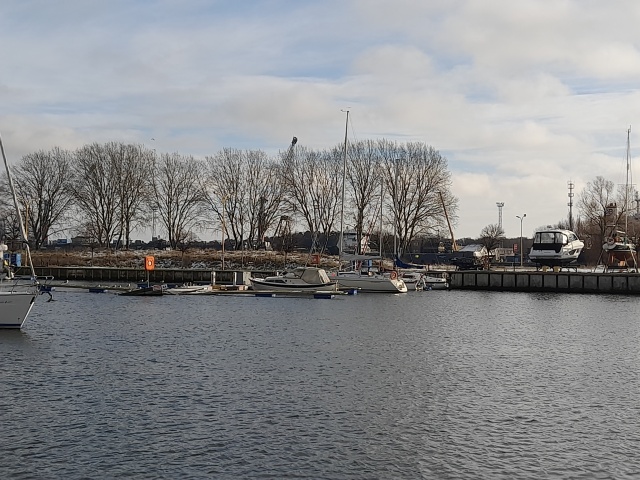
<point>16,300</point>
<point>362,280</point>
<point>618,248</point>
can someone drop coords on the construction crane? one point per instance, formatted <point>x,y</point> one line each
<point>284,231</point>
<point>454,245</point>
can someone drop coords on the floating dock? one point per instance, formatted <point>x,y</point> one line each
<point>550,281</point>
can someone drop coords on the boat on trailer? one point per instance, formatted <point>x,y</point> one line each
<point>619,250</point>
<point>555,247</point>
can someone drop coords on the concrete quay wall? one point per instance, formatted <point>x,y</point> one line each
<point>159,275</point>
<point>568,282</point>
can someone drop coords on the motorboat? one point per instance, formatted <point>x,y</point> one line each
<point>311,279</point>
<point>188,289</point>
<point>555,248</point>
<point>369,282</point>
<point>145,291</point>
<point>421,280</point>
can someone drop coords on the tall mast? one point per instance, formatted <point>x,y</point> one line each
<point>344,176</point>
<point>626,185</point>
<point>380,234</point>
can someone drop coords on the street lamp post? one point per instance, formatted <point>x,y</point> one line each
<point>521,219</point>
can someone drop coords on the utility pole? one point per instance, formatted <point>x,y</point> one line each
<point>571,186</point>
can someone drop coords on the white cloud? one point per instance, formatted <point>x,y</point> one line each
<point>521,97</point>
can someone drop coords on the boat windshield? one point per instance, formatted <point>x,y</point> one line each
<point>551,237</point>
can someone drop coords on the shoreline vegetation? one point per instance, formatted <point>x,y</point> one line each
<point>191,259</point>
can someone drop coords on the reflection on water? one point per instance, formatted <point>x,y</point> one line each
<point>423,385</point>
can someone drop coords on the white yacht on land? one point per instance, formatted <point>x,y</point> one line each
<point>308,279</point>
<point>555,248</point>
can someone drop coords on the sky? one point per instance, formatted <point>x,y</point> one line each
<point>521,97</point>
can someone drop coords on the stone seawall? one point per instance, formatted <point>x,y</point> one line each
<point>568,282</point>
<point>159,275</point>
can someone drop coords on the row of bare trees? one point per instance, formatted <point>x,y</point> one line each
<point>108,191</point>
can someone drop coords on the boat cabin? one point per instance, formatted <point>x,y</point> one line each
<point>553,239</point>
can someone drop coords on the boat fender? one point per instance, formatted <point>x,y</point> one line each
<point>393,275</point>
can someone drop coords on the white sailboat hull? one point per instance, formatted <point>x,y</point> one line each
<point>262,285</point>
<point>15,308</point>
<point>188,290</point>
<point>308,279</point>
<point>419,280</point>
<point>369,283</point>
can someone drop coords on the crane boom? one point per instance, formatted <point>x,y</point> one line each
<point>454,245</point>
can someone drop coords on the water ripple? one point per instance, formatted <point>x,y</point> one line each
<point>424,385</point>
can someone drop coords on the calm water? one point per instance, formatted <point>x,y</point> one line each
<point>423,385</point>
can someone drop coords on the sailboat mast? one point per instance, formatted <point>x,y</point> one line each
<point>344,176</point>
<point>626,185</point>
<point>380,235</point>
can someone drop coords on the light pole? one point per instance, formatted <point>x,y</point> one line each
<point>224,227</point>
<point>154,209</point>
<point>521,219</point>
<point>500,205</point>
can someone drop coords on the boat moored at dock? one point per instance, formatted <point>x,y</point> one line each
<point>301,278</point>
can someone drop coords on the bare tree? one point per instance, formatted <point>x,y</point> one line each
<point>10,231</point>
<point>312,182</point>
<point>133,165</point>
<point>96,189</point>
<point>326,196</point>
<point>178,196</point>
<point>301,167</point>
<point>491,237</point>
<point>264,195</point>
<point>364,176</point>
<point>592,205</point>
<point>227,192</point>
<point>42,181</point>
<point>416,175</point>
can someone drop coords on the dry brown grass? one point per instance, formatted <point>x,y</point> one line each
<point>208,259</point>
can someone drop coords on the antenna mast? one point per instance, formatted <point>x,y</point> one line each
<point>570,204</point>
